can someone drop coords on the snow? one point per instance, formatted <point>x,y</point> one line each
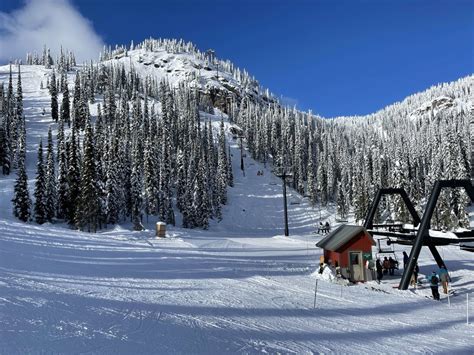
<point>178,67</point>
<point>240,287</point>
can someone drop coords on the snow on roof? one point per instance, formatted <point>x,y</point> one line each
<point>341,236</point>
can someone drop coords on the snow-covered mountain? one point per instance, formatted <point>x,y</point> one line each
<point>240,286</point>
<point>178,62</point>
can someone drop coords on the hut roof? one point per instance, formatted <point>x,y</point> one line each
<point>341,236</point>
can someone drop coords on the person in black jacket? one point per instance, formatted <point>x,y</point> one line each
<point>379,268</point>
<point>434,283</point>
<point>405,259</point>
<point>414,277</point>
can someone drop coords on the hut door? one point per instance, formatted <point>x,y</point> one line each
<point>356,265</point>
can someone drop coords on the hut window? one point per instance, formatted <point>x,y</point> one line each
<point>355,259</point>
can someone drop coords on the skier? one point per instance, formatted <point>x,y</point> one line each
<point>327,227</point>
<point>338,271</point>
<point>320,229</point>
<point>405,259</point>
<point>444,277</point>
<point>378,266</point>
<point>414,276</point>
<point>393,265</point>
<point>370,265</point>
<point>434,281</point>
<point>386,265</point>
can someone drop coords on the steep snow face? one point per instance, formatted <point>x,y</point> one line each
<point>195,70</point>
<point>439,104</point>
<point>434,106</point>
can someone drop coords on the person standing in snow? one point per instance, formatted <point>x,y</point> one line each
<point>338,271</point>
<point>393,265</point>
<point>405,259</point>
<point>414,276</point>
<point>379,268</point>
<point>444,277</point>
<point>386,265</point>
<point>434,282</point>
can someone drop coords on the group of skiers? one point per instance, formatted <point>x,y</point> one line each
<point>389,264</point>
<point>324,228</point>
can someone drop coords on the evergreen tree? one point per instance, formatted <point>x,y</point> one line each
<point>51,192</point>
<point>54,97</point>
<point>40,188</point>
<point>62,178</point>
<point>230,175</point>
<point>88,203</point>
<point>4,146</point>
<point>151,182</point>
<point>77,104</point>
<point>73,177</point>
<point>21,196</point>
<point>136,191</point>
<point>113,196</point>
<point>65,108</point>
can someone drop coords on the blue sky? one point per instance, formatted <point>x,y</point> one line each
<point>335,57</point>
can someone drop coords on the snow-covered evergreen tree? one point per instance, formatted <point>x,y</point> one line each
<point>50,181</point>
<point>88,210</point>
<point>21,196</point>
<point>54,97</point>
<point>40,188</point>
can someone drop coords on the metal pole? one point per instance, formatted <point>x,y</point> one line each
<point>242,156</point>
<point>449,300</point>
<point>319,200</point>
<point>287,233</point>
<point>315,293</point>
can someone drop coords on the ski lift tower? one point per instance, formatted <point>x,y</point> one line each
<point>242,167</point>
<point>284,175</point>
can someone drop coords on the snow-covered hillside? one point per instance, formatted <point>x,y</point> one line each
<point>180,63</point>
<point>240,287</point>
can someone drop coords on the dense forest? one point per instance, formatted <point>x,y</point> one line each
<point>148,152</point>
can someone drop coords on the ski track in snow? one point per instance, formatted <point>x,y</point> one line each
<point>241,287</point>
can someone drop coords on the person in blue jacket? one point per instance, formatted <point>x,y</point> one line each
<point>434,282</point>
<point>444,277</point>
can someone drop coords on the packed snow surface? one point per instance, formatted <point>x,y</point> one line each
<point>240,287</point>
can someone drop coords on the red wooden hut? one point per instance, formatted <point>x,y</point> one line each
<point>351,247</point>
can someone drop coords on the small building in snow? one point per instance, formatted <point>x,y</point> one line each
<point>351,247</point>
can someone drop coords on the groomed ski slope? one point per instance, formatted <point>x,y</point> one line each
<point>240,287</point>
